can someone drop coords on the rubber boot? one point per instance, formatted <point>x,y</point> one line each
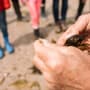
<point>37,33</point>
<point>8,46</point>
<point>1,53</point>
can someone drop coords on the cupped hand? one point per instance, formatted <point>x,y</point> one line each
<point>81,25</point>
<point>64,68</point>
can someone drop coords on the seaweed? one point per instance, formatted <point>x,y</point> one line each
<point>35,70</point>
<point>76,41</point>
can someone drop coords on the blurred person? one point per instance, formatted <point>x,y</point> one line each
<point>64,8</point>
<point>43,12</point>
<point>65,67</point>
<point>34,9</point>
<point>16,7</point>
<point>4,4</point>
<point>80,8</point>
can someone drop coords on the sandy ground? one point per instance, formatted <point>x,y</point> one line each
<point>16,71</point>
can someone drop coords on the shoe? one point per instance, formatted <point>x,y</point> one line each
<point>37,33</point>
<point>8,46</point>
<point>1,53</point>
<point>19,18</point>
<point>61,25</point>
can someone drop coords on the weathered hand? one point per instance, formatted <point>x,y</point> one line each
<point>64,68</point>
<point>82,24</point>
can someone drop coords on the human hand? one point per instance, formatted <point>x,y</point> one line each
<point>81,25</point>
<point>64,68</point>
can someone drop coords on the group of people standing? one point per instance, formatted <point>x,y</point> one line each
<point>64,8</point>
<point>36,8</point>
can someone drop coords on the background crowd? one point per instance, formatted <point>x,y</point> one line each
<point>36,9</point>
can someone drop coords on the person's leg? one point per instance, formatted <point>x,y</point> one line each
<point>80,8</point>
<point>64,9</point>
<point>35,15</point>
<point>17,9</point>
<point>56,10</point>
<point>43,13</point>
<point>3,26</point>
<point>1,51</point>
<point>56,14</point>
<point>38,5</point>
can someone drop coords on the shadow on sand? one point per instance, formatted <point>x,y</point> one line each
<point>30,38</point>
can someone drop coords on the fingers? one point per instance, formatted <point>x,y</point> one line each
<point>43,68</point>
<point>45,51</point>
<point>70,32</point>
<point>41,49</point>
<point>39,64</point>
<point>81,24</point>
<point>50,55</point>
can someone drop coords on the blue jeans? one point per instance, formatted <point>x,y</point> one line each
<point>63,9</point>
<point>3,23</point>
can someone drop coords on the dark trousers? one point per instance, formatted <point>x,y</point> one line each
<point>56,10</point>
<point>17,8</point>
<point>43,7</point>
<point>43,2</point>
<point>3,24</point>
<point>80,8</point>
<point>63,9</point>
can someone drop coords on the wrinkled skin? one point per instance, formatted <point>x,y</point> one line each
<point>65,68</point>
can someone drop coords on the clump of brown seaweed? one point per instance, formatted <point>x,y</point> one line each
<point>76,41</point>
<point>35,70</point>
